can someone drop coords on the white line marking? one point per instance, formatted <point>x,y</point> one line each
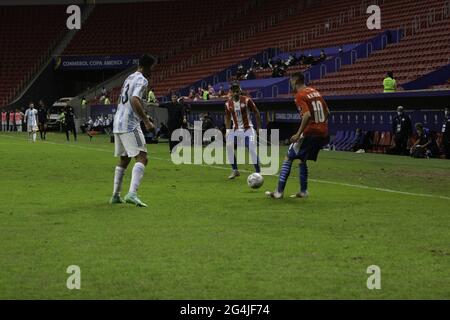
<point>357,186</point>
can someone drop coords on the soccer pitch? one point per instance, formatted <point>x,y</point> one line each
<point>203,237</point>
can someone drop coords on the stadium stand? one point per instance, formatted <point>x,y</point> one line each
<point>238,40</point>
<point>287,32</point>
<point>27,44</point>
<point>128,28</point>
<point>255,42</point>
<point>419,53</point>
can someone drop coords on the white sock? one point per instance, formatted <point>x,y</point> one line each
<point>118,178</point>
<point>34,136</point>
<point>136,177</point>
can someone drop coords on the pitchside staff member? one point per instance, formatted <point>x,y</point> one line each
<point>69,122</point>
<point>43,117</point>
<point>446,133</point>
<point>177,112</point>
<point>402,130</point>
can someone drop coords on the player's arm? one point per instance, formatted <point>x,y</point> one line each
<point>255,110</point>
<point>306,116</point>
<point>227,119</point>
<point>136,103</point>
<point>137,106</point>
<point>305,119</point>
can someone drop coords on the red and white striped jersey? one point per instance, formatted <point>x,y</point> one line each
<point>240,112</point>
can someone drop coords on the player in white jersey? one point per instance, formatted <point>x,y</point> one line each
<point>31,119</point>
<point>128,137</point>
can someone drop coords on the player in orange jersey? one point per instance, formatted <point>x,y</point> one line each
<point>310,137</point>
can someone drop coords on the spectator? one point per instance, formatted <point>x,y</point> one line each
<point>211,91</point>
<point>240,73</point>
<point>151,98</point>
<point>401,130</point>
<point>83,102</point>
<point>291,60</point>
<point>309,59</point>
<point>389,83</point>
<point>106,101</point>
<point>103,95</point>
<point>87,126</point>
<point>221,92</point>
<point>205,94</point>
<point>446,133</point>
<point>250,75</point>
<point>279,71</point>
<point>425,146</point>
<point>256,64</point>
<point>199,95</point>
<point>191,95</point>
<point>323,56</point>
<point>207,122</point>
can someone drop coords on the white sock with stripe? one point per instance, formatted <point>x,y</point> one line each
<point>136,176</point>
<point>118,178</point>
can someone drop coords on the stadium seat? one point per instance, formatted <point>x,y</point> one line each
<point>25,47</point>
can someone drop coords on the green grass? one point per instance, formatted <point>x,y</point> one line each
<point>203,237</point>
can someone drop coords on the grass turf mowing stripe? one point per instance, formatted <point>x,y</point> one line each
<point>342,184</point>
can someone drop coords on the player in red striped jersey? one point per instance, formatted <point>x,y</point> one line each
<point>238,109</point>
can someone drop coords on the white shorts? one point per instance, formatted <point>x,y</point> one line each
<point>31,128</point>
<point>129,144</point>
<point>248,136</point>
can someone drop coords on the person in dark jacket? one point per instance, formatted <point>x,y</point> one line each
<point>446,133</point>
<point>69,122</point>
<point>401,130</point>
<point>177,117</point>
<point>425,146</point>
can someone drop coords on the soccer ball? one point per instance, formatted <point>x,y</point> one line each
<point>255,181</point>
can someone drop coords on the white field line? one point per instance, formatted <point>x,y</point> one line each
<point>356,186</point>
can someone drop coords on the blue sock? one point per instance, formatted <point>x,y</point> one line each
<point>257,166</point>
<point>303,177</point>
<point>284,175</point>
<point>234,164</point>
